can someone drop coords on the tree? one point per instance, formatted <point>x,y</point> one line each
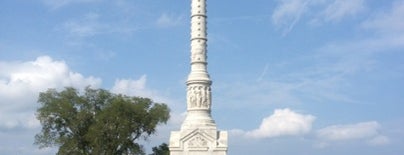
<point>96,122</point>
<point>161,150</point>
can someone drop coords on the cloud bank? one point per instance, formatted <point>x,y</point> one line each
<point>21,82</point>
<point>363,131</point>
<point>286,122</point>
<point>283,122</point>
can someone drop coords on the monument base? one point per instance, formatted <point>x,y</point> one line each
<point>198,142</point>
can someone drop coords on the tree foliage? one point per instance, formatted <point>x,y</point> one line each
<point>161,150</point>
<point>96,122</point>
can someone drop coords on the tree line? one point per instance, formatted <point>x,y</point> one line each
<point>98,122</point>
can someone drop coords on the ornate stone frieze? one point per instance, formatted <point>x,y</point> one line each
<point>198,141</point>
<point>199,97</point>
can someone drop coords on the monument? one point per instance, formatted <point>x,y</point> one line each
<point>198,134</point>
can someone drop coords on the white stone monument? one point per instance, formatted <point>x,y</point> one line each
<point>198,134</point>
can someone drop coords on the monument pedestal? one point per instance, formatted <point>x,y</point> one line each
<point>198,136</point>
<point>198,142</point>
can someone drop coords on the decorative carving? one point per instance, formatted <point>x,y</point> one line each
<point>199,96</point>
<point>198,141</point>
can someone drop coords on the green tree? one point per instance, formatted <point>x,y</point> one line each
<point>96,122</point>
<point>161,150</point>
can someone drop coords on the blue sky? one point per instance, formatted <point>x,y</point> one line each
<point>289,76</point>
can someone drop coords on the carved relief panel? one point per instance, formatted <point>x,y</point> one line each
<point>198,141</point>
<point>199,97</point>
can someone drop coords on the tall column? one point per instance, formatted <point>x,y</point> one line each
<point>199,98</point>
<point>198,134</point>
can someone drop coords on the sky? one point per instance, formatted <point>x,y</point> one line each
<point>310,77</point>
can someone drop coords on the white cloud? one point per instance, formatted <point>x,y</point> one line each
<point>288,13</point>
<point>236,132</point>
<point>339,9</point>
<point>131,87</point>
<point>367,131</point>
<point>20,83</point>
<point>138,87</point>
<point>283,122</point>
<point>351,131</point>
<point>168,20</point>
<point>379,140</point>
